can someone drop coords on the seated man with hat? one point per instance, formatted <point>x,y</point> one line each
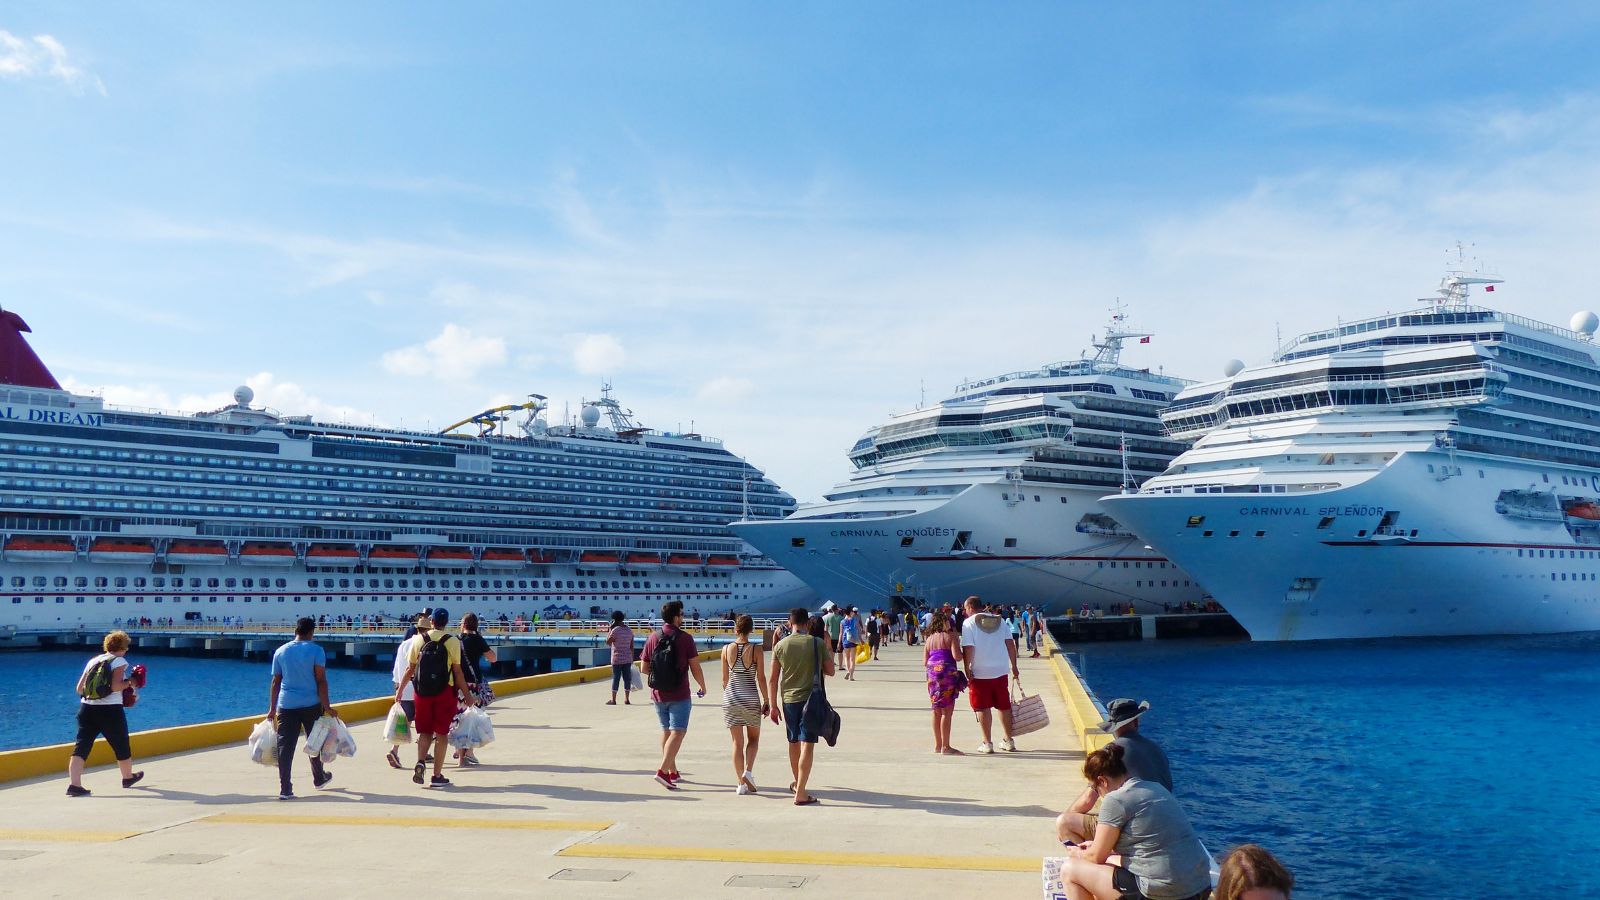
<point>1143,757</point>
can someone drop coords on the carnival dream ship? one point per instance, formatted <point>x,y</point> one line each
<point>996,492</point>
<point>1434,472</point>
<point>110,514</point>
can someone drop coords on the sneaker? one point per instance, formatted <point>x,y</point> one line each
<point>394,759</point>
<point>985,747</point>
<point>77,790</point>
<point>743,789</point>
<point>416,774</point>
<point>286,795</point>
<point>750,781</point>
<point>665,780</point>
<point>1008,745</point>
<point>675,776</point>
<point>470,760</point>
<point>133,779</point>
<point>326,777</point>
<point>438,781</point>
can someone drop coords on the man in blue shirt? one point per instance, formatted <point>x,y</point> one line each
<point>299,697</point>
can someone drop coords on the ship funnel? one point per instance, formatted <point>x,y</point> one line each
<point>19,365</point>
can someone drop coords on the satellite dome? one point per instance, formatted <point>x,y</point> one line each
<point>591,416</point>
<point>1585,322</point>
<point>242,395</point>
<point>1232,367</point>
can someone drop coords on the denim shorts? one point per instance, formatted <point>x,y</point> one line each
<point>674,715</point>
<point>794,724</point>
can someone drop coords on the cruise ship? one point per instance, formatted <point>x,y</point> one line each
<point>996,492</point>
<point>1432,472</point>
<point>110,514</point>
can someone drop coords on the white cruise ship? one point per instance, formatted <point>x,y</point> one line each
<point>110,514</point>
<point>995,492</point>
<point>1433,472</point>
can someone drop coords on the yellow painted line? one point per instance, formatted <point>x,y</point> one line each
<point>65,836</point>
<point>803,857</point>
<point>409,822</point>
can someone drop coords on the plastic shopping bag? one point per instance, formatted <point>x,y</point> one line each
<point>323,741</point>
<point>863,653</point>
<point>343,739</point>
<point>472,728</point>
<point>485,728</point>
<point>397,728</point>
<point>264,743</point>
<point>1055,887</point>
<point>317,737</point>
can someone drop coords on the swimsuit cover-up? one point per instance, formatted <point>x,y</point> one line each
<point>942,672</point>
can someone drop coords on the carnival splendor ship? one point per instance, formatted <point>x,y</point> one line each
<point>995,492</point>
<point>1435,472</point>
<point>109,514</point>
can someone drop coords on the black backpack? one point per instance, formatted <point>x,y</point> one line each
<point>433,667</point>
<point>97,681</point>
<point>666,674</point>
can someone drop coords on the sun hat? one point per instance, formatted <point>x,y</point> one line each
<point>1121,711</point>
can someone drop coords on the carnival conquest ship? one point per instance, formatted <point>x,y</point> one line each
<point>109,514</point>
<point>1433,472</point>
<point>996,492</point>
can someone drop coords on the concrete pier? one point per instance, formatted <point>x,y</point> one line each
<point>565,806</point>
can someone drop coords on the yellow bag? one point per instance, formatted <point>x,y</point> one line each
<point>863,653</point>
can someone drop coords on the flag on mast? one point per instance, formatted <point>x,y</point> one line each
<point>1145,339</point>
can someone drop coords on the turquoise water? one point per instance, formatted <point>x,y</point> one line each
<point>1442,768</point>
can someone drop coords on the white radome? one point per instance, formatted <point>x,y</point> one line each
<point>1585,322</point>
<point>591,416</point>
<point>1232,367</point>
<point>242,395</point>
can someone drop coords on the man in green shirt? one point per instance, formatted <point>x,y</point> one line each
<point>833,621</point>
<point>794,671</point>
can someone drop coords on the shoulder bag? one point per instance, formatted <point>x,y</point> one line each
<point>818,715</point>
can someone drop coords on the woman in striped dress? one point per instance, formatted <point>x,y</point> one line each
<point>744,701</point>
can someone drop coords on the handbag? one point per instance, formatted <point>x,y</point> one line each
<point>818,716</point>
<point>1027,713</point>
<point>961,681</point>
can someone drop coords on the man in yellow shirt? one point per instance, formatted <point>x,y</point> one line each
<point>434,673</point>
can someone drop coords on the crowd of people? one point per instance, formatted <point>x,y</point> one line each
<point>1126,834</point>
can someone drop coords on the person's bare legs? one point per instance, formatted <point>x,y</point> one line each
<point>938,734</point>
<point>1085,880</point>
<point>75,771</point>
<point>752,743</point>
<point>794,765</point>
<point>1005,722</point>
<point>737,733</point>
<point>985,724</point>
<point>947,718</point>
<point>670,742</point>
<point>803,770</point>
<point>438,755</point>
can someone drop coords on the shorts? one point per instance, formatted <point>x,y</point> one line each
<point>435,713</point>
<point>97,719</point>
<point>410,708</point>
<point>1126,884</point>
<point>989,693</point>
<point>674,714</point>
<point>794,724</point>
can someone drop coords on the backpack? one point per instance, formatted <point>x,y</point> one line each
<point>666,674</point>
<point>97,681</point>
<point>433,667</point>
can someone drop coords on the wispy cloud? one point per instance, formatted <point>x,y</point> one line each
<point>43,58</point>
<point>597,354</point>
<point>456,354</point>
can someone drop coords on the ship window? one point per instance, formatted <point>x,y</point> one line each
<point>906,541</point>
<point>1011,542</point>
<point>80,581</point>
<point>1062,499</point>
<point>99,582</point>
<point>1362,533</point>
<point>1258,534</point>
<point>1036,498</point>
<point>1207,533</point>
<point>1233,534</point>
<point>311,582</point>
<point>1196,521</point>
<point>1325,523</point>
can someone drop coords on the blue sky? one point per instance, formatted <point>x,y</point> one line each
<point>775,222</point>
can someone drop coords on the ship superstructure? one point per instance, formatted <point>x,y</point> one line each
<point>1431,472</point>
<point>108,514</point>
<point>995,491</point>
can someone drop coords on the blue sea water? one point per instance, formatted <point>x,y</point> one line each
<point>1438,768</point>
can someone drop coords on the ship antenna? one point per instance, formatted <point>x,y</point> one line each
<point>1455,287</point>
<point>1127,474</point>
<point>1109,350</point>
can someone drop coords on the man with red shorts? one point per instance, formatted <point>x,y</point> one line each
<point>988,651</point>
<point>434,673</point>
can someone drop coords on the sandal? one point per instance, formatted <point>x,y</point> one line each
<point>807,801</point>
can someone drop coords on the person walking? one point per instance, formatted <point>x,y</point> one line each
<point>669,658</point>
<point>875,633</point>
<point>101,713</point>
<point>1036,632</point>
<point>406,692</point>
<point>795,664</point>
<point>745,701</point>
<point>849,637</point>
<point>833,621</point>
<point>475,651</point>
<point>620,639</point>
<point>434,671</point>
<point>987,650</point>
<point>939,652</point>
<point>299,697</point>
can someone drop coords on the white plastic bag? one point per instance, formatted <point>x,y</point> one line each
<point>397,728</point>
<point>317,736</point>
<point>343,739</point>
<point>1055,887</point>
<point>323,741</point>
<point>471,728</point>
<point>264,743</point>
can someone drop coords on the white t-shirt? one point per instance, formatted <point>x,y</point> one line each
<point>115,697</point>
<point>402,662</point>
<point>990,659</point>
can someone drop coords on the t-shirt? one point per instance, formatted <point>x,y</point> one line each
<point>402,661</point>
<point>452,648</point>
<point>832,621</point>
<point>1145,759</point>
<point>850,630</point>
<point>1157,843</point>
<point>686,652</point>
<point>296,662</point>
<point>473,647</point>
<point>987,635</point>
<point>927,619</point>
<point>796,656</point>
<point>621,638</point>
<point>115,697</point>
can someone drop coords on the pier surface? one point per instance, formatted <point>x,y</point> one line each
<point>565,805</point>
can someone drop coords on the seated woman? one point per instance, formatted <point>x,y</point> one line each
<point>1143,847</point>
<point>1251,873</point>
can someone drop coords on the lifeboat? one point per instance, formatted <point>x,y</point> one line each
<point>684,562</point>
<point>393,557</point>
<point>121,550</point>
<point>263,554</point>
<point>542,557</point>
<point>722,563</point>
<point>1587,510</point>
<point>642,561</point>
<point>501,558</point>
<point>328,555</point>
<point>599,559</point>
<point>197,553</point>
<point>450,558</point>
<point>40,549</point>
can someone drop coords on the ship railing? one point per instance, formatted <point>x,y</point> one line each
<point>1462,315</point>
<point>396,627</point>
<point>1484,366</point>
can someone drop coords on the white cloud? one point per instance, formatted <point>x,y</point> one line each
<point>598,354</point>
<point>43,57</point>
<point>456,354</point>
<point>726,389</point>
<point>286,397</point>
